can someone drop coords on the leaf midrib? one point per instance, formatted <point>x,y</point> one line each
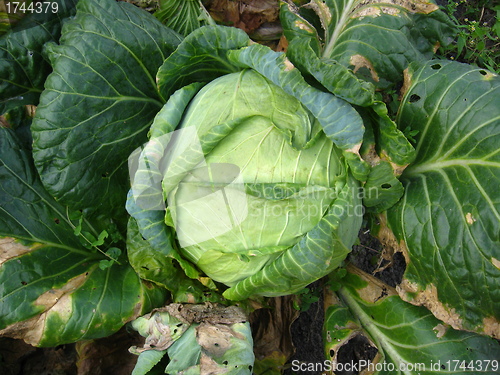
<point>435,166</point>
<point>371,327</point>
<point>338,28</point>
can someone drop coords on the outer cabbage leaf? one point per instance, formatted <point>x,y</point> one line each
<point>198,339</point>
<point>382,189</point>
<point>376,40</point>
<point>23,66</point>
<point>147,360</point>
<point>353,46</point>
<point>448,222</point>
<point>99,102</point>
<point>201,57</point>
<point>389,152</point>
<point>52,289</point>
<point>19,121</point>
<point>182,16</point>
<point>154,265</point>
<point>409,339</point>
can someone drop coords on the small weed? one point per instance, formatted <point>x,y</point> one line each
<point>478,41</point>
<point>307,298</point>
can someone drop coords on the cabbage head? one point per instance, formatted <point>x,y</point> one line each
<point>257,196</point>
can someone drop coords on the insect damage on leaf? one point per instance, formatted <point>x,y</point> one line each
<point>491,326</point>
<point>469,218</point>
<point>495,262</point>
<point>322,10</point>
<point>54,301</point>
<point>374,290</point>
<point>355,343</point>
<point>51,297</point>
<point>429,298</point>
<point>288,65</point>
<point>392,6</point>
<point>215,338</point>
<point>389,241</point>
<point>375,12</point>
<point>303,26</point>
<point>359,62</point>
<point>487,75</point>
<point>440,330</point>
<point>11,248</point>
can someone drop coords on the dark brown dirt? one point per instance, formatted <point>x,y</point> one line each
<point>307,329</point>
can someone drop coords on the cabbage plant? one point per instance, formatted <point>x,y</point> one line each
<point>189,166</point>
<point>253,185</point>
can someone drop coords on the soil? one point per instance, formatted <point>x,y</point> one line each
<point>307,334</point>
<point>94,357</point>
<point>307,329</point>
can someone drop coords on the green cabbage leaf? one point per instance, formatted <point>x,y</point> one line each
<point>98,102</point>
<point>402,338</point>
<point>53,288</point>
<point>24,67</point>
<point>448,222</point>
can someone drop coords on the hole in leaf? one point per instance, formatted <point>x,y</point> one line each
<point>225,363</point>
<point>356,350</point>
<point>332,353</point>
<point>216,344</point>
<point>414,98</point>
<point>146,268</point>
<point>483,72</point>
<point>436,66</point>
<point>386,186</point>
<point>250,367</point>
